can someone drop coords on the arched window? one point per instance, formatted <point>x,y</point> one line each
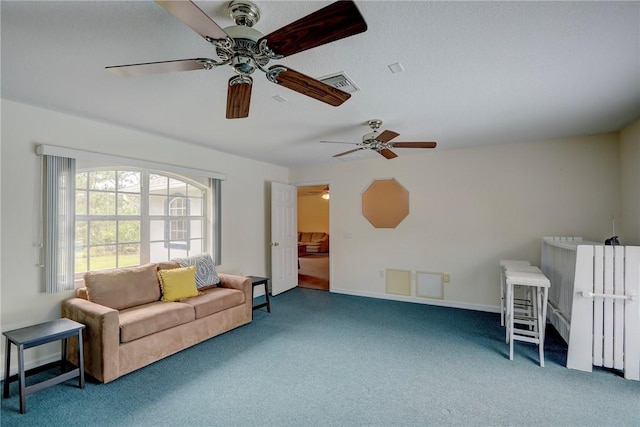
<point>177,230</point>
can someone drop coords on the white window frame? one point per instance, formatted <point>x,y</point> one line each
<point>145,217</point>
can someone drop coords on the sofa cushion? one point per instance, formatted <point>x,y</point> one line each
<point>206,274</point>
<point>316,237</point>
<point>123,287</point>
<point>215,300</point>
<point>178,283</point>
<point>305,237</point>
<point>143,320</point>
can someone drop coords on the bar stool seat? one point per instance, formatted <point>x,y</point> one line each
<point>534,322</point>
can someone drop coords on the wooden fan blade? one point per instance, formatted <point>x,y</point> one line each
<point>336,21</point>
<point>133,70</point>
<point>239,97</point>
<point>350,151</point>
<point>388,154</point>
<point>414,144</point>
<point>192,16</point>
<point>387,136</point>
<point>308,86</point>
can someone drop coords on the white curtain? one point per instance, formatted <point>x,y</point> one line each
<point>59,182</point>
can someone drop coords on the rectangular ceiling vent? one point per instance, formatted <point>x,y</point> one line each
<point>340,81</point>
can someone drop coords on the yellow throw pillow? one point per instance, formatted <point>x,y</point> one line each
<point>178,283</point>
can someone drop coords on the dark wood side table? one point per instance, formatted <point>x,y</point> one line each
<point>32,336</point>
<point>257,281</point>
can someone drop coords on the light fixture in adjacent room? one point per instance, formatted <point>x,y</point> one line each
<point>325,193</point>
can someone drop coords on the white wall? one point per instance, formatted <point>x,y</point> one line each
<point>245,214</point>
<point>630,176</point>
<point>468,209</point>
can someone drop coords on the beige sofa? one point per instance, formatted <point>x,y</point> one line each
<point>128,326</point>
<point>314,241</point>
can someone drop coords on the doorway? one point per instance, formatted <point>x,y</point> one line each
<point>313,237</point>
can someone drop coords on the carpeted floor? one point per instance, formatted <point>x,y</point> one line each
<point>314,271</point>
<point>324,359</point>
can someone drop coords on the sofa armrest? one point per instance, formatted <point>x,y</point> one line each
<point>241,283</point>
<point>101,337</point>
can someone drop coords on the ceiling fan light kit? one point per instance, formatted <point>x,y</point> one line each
<point>246,49</point>
<point>381,142</point>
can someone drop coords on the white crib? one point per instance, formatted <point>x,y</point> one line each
<point>594,302</point>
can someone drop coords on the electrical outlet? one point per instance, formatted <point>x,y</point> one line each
<point>446,278</point>
<point>381,273</point>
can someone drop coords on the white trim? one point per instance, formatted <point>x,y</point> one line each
<point>451,304</point>
<point>52,150</point>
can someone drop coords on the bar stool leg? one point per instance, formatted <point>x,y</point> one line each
<point>503,301</point>
<point>266,295</point>
<point>508,311</point>
<point>21,379</point>
<point>510,321</point>
<point>7,365</point>
<point>542,322</point>
<point>80,360</point>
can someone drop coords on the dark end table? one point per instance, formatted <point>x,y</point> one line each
<point>32,336</point>
<point>257,281</point>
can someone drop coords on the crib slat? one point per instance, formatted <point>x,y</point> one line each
<point>598,305</point>
<point>580,338</point>
<point>608,307</point>
<point>632,314</point>
<point>618,307</point>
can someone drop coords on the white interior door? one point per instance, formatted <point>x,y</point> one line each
<point>284,237</point>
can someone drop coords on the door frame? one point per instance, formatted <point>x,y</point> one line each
<point>326,182</point>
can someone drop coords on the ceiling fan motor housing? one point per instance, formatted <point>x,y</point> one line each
<point>245,51</point>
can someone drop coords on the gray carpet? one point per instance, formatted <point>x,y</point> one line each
<point>322,359</point>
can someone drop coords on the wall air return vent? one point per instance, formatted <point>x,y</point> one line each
<point>340,81</point>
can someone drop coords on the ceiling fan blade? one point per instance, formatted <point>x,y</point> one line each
<point>387,136</point>
<point>306,85</point>
<point>239,97</point>
<point>336,21</point>
<point>350,151</point>
<point>195,18</point>
<point>388,154</point>
<point>134,70</point>
<point>342,142</point>
<point>414,144</point>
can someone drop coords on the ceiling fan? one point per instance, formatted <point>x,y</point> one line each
<point>381,142</point>
<point>246,49</point>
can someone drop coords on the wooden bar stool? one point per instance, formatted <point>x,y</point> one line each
<point>539,285</point>
<point>504,264</point>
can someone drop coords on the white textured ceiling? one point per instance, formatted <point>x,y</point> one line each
<point>475,73</point>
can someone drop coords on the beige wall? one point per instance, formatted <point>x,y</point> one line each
<point>630,188</point>
<point>313,214</point>
<point>468,209</point>
<point>245,236</point>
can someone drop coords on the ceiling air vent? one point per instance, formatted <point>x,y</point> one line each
<point>340,81</point>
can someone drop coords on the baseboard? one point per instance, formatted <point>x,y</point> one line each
<point>451,304</point>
